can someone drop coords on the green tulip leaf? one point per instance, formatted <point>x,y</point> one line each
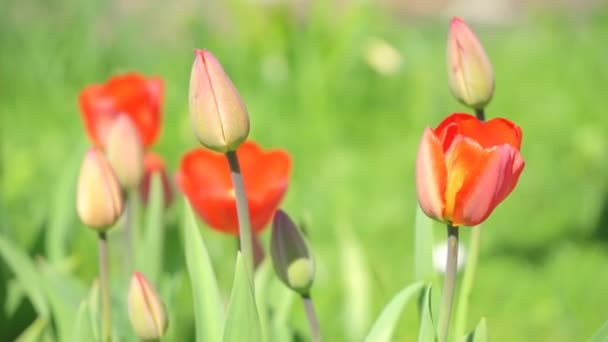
<point>383,328</point>
<point>27,275</point>
<point>208,307</point>
<point>427,333</point>
<point>35,332</point>
<point>601,335</point>
<point>152,242</point>
<point>242,320</point>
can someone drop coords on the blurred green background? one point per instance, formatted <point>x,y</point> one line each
<point>347,87</point>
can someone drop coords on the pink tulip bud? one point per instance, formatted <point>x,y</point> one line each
<point>99,199</point>
<point>146,309</point>
<point>125,152</point>
<point>470,73</point>
<point>218,115</point>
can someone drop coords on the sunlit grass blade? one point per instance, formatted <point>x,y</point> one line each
<point>208,307</point>
<point>383,328</point>
<point>35,332</point>
<point>423,247</point>
<point>480,334</point>
<point>150,251</point>
<point>601,335</point>
<point>282,299</point>
<point>242,320</point>
<point>427,332</point>
<point>27,275</point>
<point>64,294</point>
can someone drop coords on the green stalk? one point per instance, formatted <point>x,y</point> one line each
<point>106,318</point>
<point>447,298</point>
<point>242,211</point>
<point>129,230</point>
<point>313,322</point>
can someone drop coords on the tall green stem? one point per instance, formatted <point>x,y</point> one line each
<point>449,283</point>
<point>106,318</point>
<point>129,229</point>
<point>242,210</point>
<point>313,322</point>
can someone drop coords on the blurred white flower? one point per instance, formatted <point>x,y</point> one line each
<point>440,253</point>
<point>382,57</point>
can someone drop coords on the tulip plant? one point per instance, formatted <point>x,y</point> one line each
<point>465,167</point>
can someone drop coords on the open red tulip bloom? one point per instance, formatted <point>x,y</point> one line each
<point>465,168</point>
<point>204,177</point>
<point>130,94</point>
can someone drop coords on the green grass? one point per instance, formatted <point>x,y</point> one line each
<point>353,136</point>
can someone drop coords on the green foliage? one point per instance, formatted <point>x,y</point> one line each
<point>208,307</point>
<point>426,332</point>
<point>152,246</point>
<point>480,334</point>
<point>242,320</point>
<point>601,335</point>
<point>383,328</point>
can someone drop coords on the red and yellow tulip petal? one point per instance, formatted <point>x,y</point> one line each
<point>431,175</point>
<point>463,155</point>
<point>494,132</point>
<point>514,169</point>
<point>477,196</point>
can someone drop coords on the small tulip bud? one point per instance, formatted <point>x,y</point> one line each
<point>470,73</point>
<point>99,199</point>
<point>125,151</point>
<point>217,113</point>
<point>291,257</point>
<point>146,309</point>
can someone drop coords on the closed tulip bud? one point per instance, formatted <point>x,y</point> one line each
<point>470,73</point>
<point>291,256</point>
<point>125,151</point>
<point>146,309</point>
<point>217,112</point>
<point>99,199</point>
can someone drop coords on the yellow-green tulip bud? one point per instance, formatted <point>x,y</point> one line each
<point>470,73</point>
<point>99,199</point>
<point>217,112</point>
<point>146,309</point>
<point>125,151</point>
<point>291,256</point>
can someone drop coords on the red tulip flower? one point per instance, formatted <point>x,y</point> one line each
<point>130,94</point>
<point>153,163</point>
<point>204,177</point>
<point>466,167</point>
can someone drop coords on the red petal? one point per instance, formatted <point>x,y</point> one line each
<point>494,132</point>
<point>431,175</point>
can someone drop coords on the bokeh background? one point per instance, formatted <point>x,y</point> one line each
<point>346,87</point>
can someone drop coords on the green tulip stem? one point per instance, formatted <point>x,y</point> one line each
<point>242,210</point>
<point>480,114</point>
<point>313,322</point>
<point>449,283</point>
<point>106,318</point>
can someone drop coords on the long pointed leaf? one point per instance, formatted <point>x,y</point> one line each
<point>242,320</point>
<point>151,248</point>
<point>82,329</point>
<point>208,308</point>
<point>601,335</point>
<point>35,332</point>
<point>480,334</point>
<point>27,275</point>
<point>383,328</point>
<point>427,332</point>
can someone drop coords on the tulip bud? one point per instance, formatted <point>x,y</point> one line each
<point>125,151</point>
<point>470,73</point>
<point>99,199</point>
<point>146,309</point>
<point>217,113</point>
<point>291,257</point>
